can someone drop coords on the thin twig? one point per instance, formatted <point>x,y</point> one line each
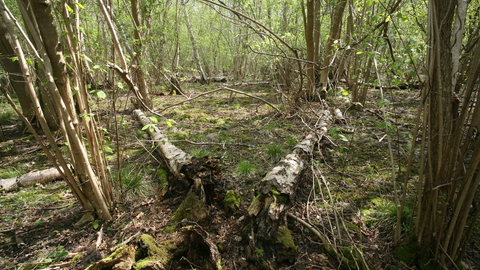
<point>220,89</point>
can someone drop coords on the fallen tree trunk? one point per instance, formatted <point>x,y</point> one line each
<point>197,175</point>
<point>174,157</point>
<point>30,179</point>
<point>270,241</point>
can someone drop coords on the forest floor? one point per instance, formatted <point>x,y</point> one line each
<point>348,183</point>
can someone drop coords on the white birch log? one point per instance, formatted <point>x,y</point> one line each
<point>174,157</point>
<point>30,179</point>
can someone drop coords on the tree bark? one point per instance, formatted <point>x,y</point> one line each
<point>309,25</point>
<point>14,72</point>
<point>42,10</point>
<point>196,56</point>
<point>138,72</point>
<point>30,179</point>
<point>335,31</point>
<point>276,194</point>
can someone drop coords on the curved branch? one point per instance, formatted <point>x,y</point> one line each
<point>220,89</point>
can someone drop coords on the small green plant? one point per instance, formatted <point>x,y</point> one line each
<point>236,106</point>
<point>95,224</point>
<point>57,255</point>
<point>132,181</point>
<point>245,168</point>
<point>151,127</point>
<point>275,152</point>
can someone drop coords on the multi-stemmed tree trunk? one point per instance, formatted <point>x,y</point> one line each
<point>449,172</point>
<point>138,72</point>
<point>335,31</point>
<point>85,183</point>
<point>312,43</point>
<point>14,72</point>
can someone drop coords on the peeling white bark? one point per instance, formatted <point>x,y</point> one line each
<point>30,179</point>
<point>174,157</point>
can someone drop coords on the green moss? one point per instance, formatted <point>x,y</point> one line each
<point>352,227</point>
<point>255,206</point>
<point>159,253</point>
<point>178,136</point>
<point>56,197</point>
<point>192,208</point>
<point>170,229</point>
<point>284,238</point>
<point>232,200</point>
<point>162,176</point>
<point>408,251</point>
<point>279,197</point>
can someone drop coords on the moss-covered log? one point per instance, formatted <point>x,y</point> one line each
<point>270,240</point>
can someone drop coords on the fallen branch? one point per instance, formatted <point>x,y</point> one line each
<point>30,179</point>
<point>174,157</point>
<point>199,175</point>
<point>212,143</point>
<point>220,89</point>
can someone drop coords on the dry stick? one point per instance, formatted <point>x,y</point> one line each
<point>321,236</point>
<point>219,89</point>
<point>125,75</point>
<point>211,143</point>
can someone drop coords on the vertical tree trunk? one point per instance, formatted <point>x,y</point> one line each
<point>50,38</point>
<point>139,74</point>
<point>335,31</point>
<point>90,193</point>
<point>196,56</point>
<point>309,25</point>
<point>451,178</point>
<point>14,72</point>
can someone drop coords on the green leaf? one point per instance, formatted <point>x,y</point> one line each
<point>169,122</point>
<point>87,116</point>
<point>108,149</point>
<point>80,5</point>
<point>359,52</point>
<point>383,102</point>
<point>120,85</point>
<point>153,119</point>
<point>101,94</point>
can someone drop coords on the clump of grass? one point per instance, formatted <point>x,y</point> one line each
<point>198,152</point>
<point>275,152</point>
<point>6,117</point>
<point>245,168</point>
<point>8,173</point>
<point>133,182</point>
<point>292,141</point>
